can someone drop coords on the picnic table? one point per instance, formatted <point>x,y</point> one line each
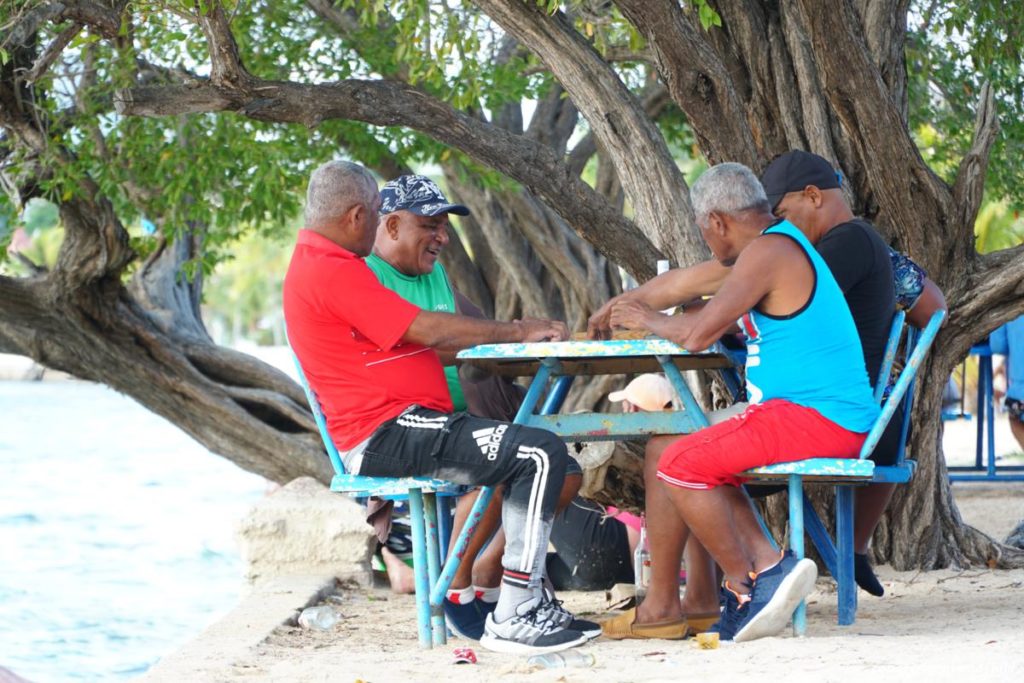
<point>559,363</point>
<point>554,365</point>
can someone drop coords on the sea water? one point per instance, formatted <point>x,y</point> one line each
<point>116,533</point>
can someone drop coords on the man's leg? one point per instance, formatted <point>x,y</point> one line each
<point>474,451</point>
<point>666,538</point>
<point>870,503</point>
<point>765,587</point>
<point>485,529</point>
<point>485,570</point>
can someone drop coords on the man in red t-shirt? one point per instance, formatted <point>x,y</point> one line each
<point>371,357</point>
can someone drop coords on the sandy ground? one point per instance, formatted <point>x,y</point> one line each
<point>930,626</point>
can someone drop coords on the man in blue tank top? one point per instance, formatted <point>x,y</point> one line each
<point>810,390</point>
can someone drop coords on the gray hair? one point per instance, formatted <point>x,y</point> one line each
<point>336,187</point>
<point>727,188</point>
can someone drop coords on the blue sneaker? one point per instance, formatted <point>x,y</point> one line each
<point>732,616</point>
<point>466,620</point>
<point>777,591</point>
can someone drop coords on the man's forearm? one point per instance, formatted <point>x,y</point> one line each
<point>452,332</point>
<point>681,286</point>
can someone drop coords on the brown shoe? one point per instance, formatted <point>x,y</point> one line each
<point>624,626</point>
<point>702,623</point>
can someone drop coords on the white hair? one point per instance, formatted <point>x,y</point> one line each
<point>727,188</point>
<point>336,187</point>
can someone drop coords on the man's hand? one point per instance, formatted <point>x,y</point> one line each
<point>538,330</point>
<point>632,315</point>
<point>599,326</point>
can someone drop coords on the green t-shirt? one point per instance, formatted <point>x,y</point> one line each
<point>431,292</point>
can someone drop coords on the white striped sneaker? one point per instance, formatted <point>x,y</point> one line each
<point>567,619</point>
<point>534,630</point>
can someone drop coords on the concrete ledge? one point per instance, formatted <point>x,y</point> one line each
<point>297,542</point>
<point>274,602</point>
<point>304,529</point>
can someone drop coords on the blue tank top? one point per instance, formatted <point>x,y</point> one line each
<point>811,357</point>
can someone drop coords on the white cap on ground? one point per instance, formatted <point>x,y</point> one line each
<point>647,392</point>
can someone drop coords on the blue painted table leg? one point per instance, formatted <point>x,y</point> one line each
<point>692,410</point>
<point>444,524</point>
<point>419,568</point>
<point>437,623</point>
<point>556,397</point>
<point>796,543</point>
<point>844,561</point>
<point>451,563</point>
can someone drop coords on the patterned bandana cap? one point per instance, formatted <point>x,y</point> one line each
<point>417,194</point>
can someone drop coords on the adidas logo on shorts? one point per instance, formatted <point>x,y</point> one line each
<point>489,440</point>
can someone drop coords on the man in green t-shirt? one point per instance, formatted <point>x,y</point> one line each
<point>412,232</point>
<point>404,258</point>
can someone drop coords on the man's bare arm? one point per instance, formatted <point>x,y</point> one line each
<point>931,300</point>
<point>673,288</point>
<point>751,280</point>
<point>449,332</point>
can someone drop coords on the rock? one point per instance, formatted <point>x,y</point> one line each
<point>612,472</point>
<point>1016,537</point>
<point>304,529</point>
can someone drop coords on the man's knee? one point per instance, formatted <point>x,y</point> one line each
<point>652,454</point>
<point>543,449</point>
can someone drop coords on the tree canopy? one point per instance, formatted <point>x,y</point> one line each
<point>563,126</point>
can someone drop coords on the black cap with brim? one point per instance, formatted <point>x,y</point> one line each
<point>795,170</point>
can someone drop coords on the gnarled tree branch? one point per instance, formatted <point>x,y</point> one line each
<point>388,103</point>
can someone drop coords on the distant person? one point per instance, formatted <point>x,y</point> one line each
<point>372,359</point>
<point>1008,340</point>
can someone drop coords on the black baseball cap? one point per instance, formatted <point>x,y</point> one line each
<point>417,194</point>
<point>795,170</point>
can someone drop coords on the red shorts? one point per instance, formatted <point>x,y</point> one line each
<point>763,434</point>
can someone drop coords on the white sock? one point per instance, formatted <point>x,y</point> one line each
<point>487,594</point>
<point>461,596</point>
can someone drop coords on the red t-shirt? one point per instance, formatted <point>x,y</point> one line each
<point>346,330</point>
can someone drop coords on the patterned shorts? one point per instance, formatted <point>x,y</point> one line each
<point>1015,407</point>
<point>908,278</point>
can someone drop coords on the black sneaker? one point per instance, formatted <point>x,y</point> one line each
<point>567,619</point>
<point>776,593</point>
<point>466,620</point>
<point>732,616</point>
<point>531,631</point>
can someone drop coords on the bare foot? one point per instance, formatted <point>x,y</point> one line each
<point>399,573</point>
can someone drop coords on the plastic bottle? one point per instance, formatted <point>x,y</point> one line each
<point>319,618</point>
<point>642,563</point>
<point>562,660</point>
<point>663,267</point>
